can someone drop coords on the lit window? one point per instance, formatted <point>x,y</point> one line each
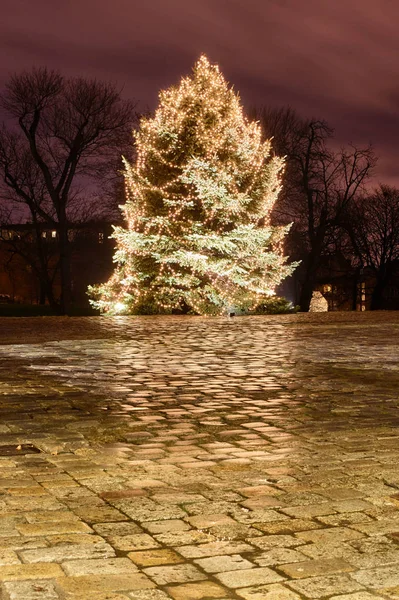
<point>327,288</point>
<point>53,234</point>
<point>44,234</point>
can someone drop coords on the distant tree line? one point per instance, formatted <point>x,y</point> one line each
<point>61,137</point>
<point>59,133</point>
<point>327,197</point>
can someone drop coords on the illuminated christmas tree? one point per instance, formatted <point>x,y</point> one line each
<point>199,197</point>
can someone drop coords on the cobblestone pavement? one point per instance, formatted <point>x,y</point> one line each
<point>191,458</point>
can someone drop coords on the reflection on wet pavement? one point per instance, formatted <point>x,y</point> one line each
<point>186,458</point>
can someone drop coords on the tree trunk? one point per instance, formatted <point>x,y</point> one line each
<point>377,295</point>
<point>306,294</point>
<point>50,295</point>
<point>42,271</point>
<point>309,281</point>
<point>46,290</point>
<point>311,267</point>
<point>42,297</point>
<point>65,267</point>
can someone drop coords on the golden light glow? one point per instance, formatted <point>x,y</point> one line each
<point>198,204</point>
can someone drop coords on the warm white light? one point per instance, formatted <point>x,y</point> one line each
<point>198,205</point>
<point>120,307</point>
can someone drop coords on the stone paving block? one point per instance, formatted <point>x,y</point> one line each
<point>318,587</point>
<point>140,541</point>
<point>8,483</point>
<point>274,591</point>
<point>259,491</point>
<point>184,538</point>
<point>218,508</point>
<point>378,578</point>
<point>310,511</point>
<point>376,490</point>
<point>147,558</point>
<point>101,596</point>
<point>235,531</point>
<point>358,596</point>
<point>57,516</point>
<point>174,574</point>
<point>20,542</point>
<point>200,464</point>
<point>374,545</point>
<point>24,572</point>
<point>151,513</point>
<point>259,515</point>
<point>257,502</point>
<point>60,553</point>
<point>54,484</point>
<point>322,551</point>
<point>84,539</point>
<point>32,504</point>
<point>249,577</point>
<point>7,532</point>
<point>332,535</point>
<point>121,494</point>
<point>303,498</point>
<point>278,556</point>
<point>120,528</point>
<point>88,585</point>
<point>214,549</point>
<point>99,514</point>
<point>52,528</point>
<point>345,519</point>
<point>99,566</point>
<point>148,595</point>
<point>288,526</point>
<point>392,593</point>
<point>219,564</point>
<point>383,511</point>
<point>52,475</point>
<point>343,493</point>
<point>8,557</point>
<point>178,498</point>
<point>313,568</point>
<point>268,542</point>
<point>28,491</point>
<point>377,527</point>
<point>165,526</point>
<point>352,505</point>
<point>31,590</point>
<point>197,591</point>
<point>376,559</point>
<point>146,483</point>
<point>205,522</point>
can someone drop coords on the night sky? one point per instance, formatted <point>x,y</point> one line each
<point>334,59</point>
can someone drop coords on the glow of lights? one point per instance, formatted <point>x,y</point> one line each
<point>119,307</point>
<point>198,204</point>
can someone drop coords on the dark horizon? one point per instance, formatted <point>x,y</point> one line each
<point>333,62</point>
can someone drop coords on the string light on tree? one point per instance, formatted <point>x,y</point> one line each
<point>198,204</point>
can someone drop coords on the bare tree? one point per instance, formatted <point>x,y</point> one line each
<point>319,186</point>
<point>59,132</point>
<point>372,224</point>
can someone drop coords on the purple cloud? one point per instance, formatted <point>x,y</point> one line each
<point>328,59</point>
